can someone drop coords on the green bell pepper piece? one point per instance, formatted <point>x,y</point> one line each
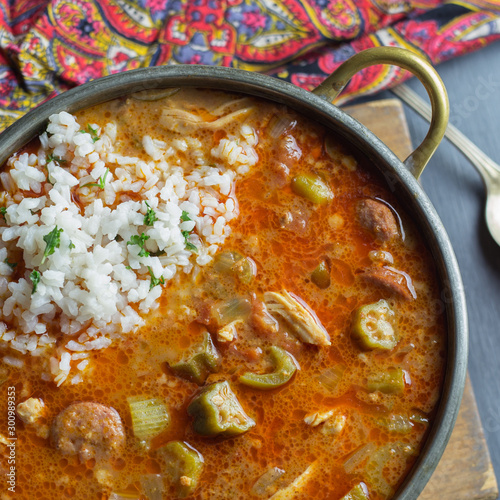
<point>184,466</point>
<point>199,361</point>
<point>391,381</point>
<point>359,492</point>
<point>217,411</point>
<point>284,368</point>
<point>312,187</point>
<point>372,326</point>
<point>321,276</point>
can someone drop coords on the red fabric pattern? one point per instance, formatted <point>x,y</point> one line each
<point>49,46</point>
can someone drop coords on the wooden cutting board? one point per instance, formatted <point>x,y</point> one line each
<point>465,471</point>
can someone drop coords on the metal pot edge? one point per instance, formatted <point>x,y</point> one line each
<point>360,137</point>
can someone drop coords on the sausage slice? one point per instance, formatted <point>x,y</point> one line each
<point>89,430</point>
<point>378,219</point>
<point>393,280</point>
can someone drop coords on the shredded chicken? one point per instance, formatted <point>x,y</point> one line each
<point>228,332</point>
<point>42,431</point>
<point>104,477</point>
<point>302,321</point>
<point>295,487</point>
<point>333,421</point>
<point>31,410</point>
<point>315,419</point>
<point>185,122</point>
<point>335,424</point>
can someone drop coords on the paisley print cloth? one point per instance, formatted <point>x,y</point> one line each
<point>49,46</point>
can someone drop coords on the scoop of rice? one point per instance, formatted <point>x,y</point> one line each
<point>93,269</point>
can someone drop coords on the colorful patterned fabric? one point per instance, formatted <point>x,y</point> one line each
<point>49,46</point>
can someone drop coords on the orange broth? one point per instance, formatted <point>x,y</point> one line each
<point>287,237</point>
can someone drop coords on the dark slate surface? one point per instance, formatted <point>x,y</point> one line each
<point>457,192</point>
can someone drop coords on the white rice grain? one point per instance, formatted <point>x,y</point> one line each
<point>96,280</point>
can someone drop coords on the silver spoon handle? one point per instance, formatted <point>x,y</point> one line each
<point>483,163</point>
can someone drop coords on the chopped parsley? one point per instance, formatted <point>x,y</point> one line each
<point>92,131</point>
<point>150,216</point>
<point>139,240</point>
<point>71,245</point>
<point>154,280</point>
<point>35,277</point>
<point>3,211</point>
<point>189,245</point>
<point>100,182</point>
<point>52,240</point>
<point>55,159</point>
<point>185,218</point>
<point>12,265</point>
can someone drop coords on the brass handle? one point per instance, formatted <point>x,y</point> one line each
<point>423,70</point>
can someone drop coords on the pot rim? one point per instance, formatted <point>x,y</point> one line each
<point>396,174</point>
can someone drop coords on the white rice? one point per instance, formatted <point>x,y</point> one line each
<point>95,287</point>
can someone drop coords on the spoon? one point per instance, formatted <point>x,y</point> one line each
<point>487,168</point>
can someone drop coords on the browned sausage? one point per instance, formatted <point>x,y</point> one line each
<point>395,281</point>
<point>90,430</point>
<point>377,218</point>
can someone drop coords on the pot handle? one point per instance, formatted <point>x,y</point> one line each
<point>417,65</point>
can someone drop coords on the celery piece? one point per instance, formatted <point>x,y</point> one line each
<point>387,456</point>
<point>149,417</point>
<point>184,466</point>
<point>400,424</point>
<point>391,381</point>
<point>284,368</point>
<point>359,492</point>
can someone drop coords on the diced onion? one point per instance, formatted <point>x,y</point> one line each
<point>234,309</point>
<point>152,486</point>
<point>358,457</point>
<point>149,417</point>
<point>280,125</point>
<point>115,495</point>
<point>266,481</point>
<point>331,377</point>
